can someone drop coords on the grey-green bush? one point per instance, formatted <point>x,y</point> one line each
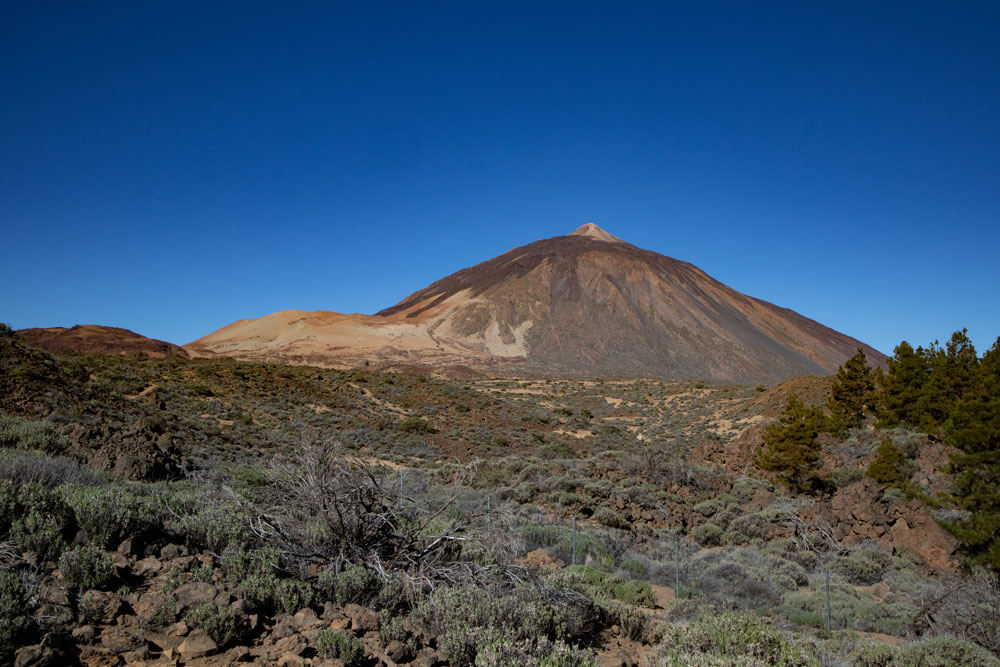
<point>87,567</point>
<point>218,622</point>
<point>334,644</point>
<point>14,608</point>
<point>109,514</point>
<point>708,535</point>
<point>730,638</point>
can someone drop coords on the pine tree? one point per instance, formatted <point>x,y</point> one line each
<point>791,447</point>
<point>852,392</point>
<point>974,429</point>
<point>900,400</point>
<point>885,467</point>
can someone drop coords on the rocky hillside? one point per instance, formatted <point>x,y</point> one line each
<point>96,339</point>
<point>308,516</point>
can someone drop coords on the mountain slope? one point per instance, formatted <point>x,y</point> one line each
<point>97,339</point>
<point>583,304</point>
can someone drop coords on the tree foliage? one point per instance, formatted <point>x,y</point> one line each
<point>974,429</point>
<point>852,393</point>
<point>791,447</point>
<point>923,386</point>
<point>949,391</point>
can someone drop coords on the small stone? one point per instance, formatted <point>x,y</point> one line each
<point>178,629</point>
<point>305,618</point>
<point>295,644</point>
<point>331,611</point>
<point>399,651</point>
<point>427,658</point>
<point>37,656</point>
<point>362,620</point>
<point>137,656</point>
<point>171,551</point>
<point>147,566</point>
<point>223,599</point>
<point>194,593</point>
<point>55,595</point>
<point>237,654</point>
<point>54,615</point>
<point>197,645</point>
<point>289,659</point>
<point>282,629</point>
<point>119,640</point>
<point>130,548</point>
<point>84,634</point>
<point>147,606</point>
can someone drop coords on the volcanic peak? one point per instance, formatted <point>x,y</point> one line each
<point>593,231</point>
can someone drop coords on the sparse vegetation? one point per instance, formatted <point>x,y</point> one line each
<point>437,515</point>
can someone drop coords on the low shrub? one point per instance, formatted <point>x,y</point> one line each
<point>28,434</point>
<point>30,467</point>
<point>534,653</point>
<point>610,518</point>
<point>634,568</point>
<point>215,528</point>
<point>39,533</point>
<point>944,651</point>
<point>850,608</point>
<point>876,655</point>
<point>637,593</point>
<point>87,567</point>
<point>844,477</point>
<point>392,627</point>
<point>354,583</point>
<point>109,514</point>
<point>467,620</point>
<point>863,566</point>
<point>292,595</point>
<point>731,585</point>
<point>218,622</point>
<point>708,535</point>
<point>337,645</point>
<point>730,638</point>
<point>15,624</point>
<point>749,528</point>
<point>19,500</point>
<point>634,623</point>
<point>415,425</point>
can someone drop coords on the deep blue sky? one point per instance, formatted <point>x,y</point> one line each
<point>171,167</point>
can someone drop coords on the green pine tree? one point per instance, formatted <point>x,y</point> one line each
<point>885,468</point>
<point>974,429</point>
<point>791,447</point>
<point>900,398</point>
<point>852,392</point>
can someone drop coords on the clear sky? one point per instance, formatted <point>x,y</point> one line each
<point>171,167</point>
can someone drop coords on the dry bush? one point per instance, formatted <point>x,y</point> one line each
<point>29,467</point>
<point>331,509</point>
<point>966,607</point>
